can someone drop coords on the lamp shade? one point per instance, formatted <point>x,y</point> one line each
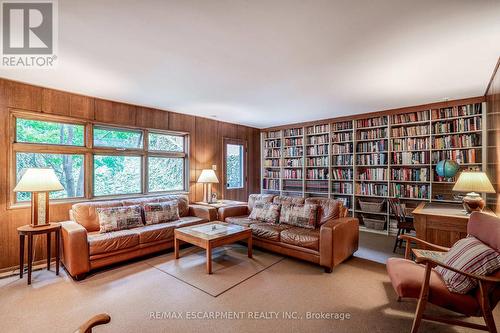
<point>208,176</point>
<point>38,180</point>
<point>473,181</point>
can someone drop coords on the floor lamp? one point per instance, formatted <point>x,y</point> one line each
<point>208,178</point>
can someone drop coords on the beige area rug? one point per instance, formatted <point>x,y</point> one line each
<point>230,267</point>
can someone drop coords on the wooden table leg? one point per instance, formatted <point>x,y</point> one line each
<point>58,249</point>
<point>176,248</point>
<point>209,260</point>
<point>30,256</point>
<point>49,238</point>
<point>21,256</point>
<point>249,245</point>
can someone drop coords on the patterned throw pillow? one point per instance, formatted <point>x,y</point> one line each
<point>119,218</point>
<point>265,212</point>
<point>469,255</point>
<point>161,212</point>
<point>299,215</point>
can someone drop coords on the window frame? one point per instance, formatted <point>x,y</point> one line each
<point>88,151</point>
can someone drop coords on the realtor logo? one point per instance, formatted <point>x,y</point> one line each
<point>28,33</point>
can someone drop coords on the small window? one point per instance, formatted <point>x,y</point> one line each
<point>165,174</point>
<point>165,142</point>
<point>46,132</point>
<point>117,175</point>
<point>234,166</point>
<point>117,138</point>
<point>68,168</point>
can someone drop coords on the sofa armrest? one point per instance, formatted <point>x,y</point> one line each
<point>75,248</point>
<point>339,239</point>
<point>230,211</point>
<point>205,212</point>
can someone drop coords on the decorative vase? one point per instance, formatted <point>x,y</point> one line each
<point>473,202</point>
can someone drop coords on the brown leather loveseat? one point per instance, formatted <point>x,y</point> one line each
<point>334,239</point>
<point>85,249</point>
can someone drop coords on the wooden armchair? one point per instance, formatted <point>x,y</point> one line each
<point>100,319</point>
<point>419,280</point>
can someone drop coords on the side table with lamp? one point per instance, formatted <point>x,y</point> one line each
<point>39,182</point>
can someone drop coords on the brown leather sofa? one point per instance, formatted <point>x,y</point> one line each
<point>335,240</point>
<point>85,249</point>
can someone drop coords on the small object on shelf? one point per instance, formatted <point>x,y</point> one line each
<point>447,168</point>
<point>472,182</point>
<point>372,207</point>
<point>372,223</point>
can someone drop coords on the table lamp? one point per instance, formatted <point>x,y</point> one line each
<point>39,182</point>
<point>472,182</point>
<point>207,177</point>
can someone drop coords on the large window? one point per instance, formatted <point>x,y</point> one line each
<point>234,166</point>
<point>115,162</point>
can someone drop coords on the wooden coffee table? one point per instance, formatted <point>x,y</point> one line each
<point>211,235</point>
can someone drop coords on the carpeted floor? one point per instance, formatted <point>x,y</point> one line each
<point>139,297</point>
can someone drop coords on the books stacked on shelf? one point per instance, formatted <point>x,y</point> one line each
<point>292,174</point>
<point>342,126</point>
<point>271,184</point>
<point>410,191</point>
<point>320,161</point>
<point>274,163</point>
<point>293,142</point>
<point>273,135</point>
<point>457,111</point>
<point>372,174</point>
<point>372,134</point>
<point>342,160</point>
<point>371,159</point>
<point>371,122</point>
<point>410,117</point>
<point>460,156</point>
<point>292,132</point>
<point>410,158</point>
<point>292,185</point>
<point>272,153</point>
<point>343,148</point>
<point>317,139</point>
<point>457,141</point>
<point>272,143</point>
<point>372,146</point>
<point>419,130</point>
<point>342,188</point>
<point>316,186</point>
<point>371,189</point>
<point>458,125</point>
<point>409,175</point>
<point>346,200</point>
<point>271,173</point>
<point>317,129</point>
<point>292,163</point>
<point>409,144</point>
<point>317,174</point>
<point>293,151</point>
<point>342,137</point>
<point>318,150</point>
<point>342,174</point>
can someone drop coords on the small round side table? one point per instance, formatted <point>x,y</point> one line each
<point>28,230</point>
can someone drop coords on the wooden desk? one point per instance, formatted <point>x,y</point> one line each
<point>441,223</point>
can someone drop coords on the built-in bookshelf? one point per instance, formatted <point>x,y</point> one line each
<point>375,158</point>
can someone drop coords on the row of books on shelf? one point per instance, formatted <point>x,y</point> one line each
<point>341,148</point>
<point>293,174</point>
<point>370,122</point>
<point>460,156</point>
<point>271,184</point>
<point>320,161</point>
<point>293,142</point>
<point>371,146</point>
<point>458,125</point>
<point>274,163</point>
<point>317,174</point>
<point>293,151</point>
<point>318,150</point>
<point>274,143</point>
<point>268,153</point>
<point>316,186</point>
<point>410,130</point>
<point>457,141</point>
<point>342,137</point>
<point>377,133</point>
<point>272,173</point>
<point>317,129</point>
<point>292,162</point>
<point>409,158</point>
<point>410,191</point>
<point>410,117</point>
<point>341,126</point>
<point>371,159</point>
<point>344,188</point>
<point>273,135</point>
<point>407,144</point>
<point>413,174</point>
<point>371,189</point>
<point>293,131</point>
<point>317,139</point>
<point>372,174</point>
<point>342,174</point>
<point>457,111</point>
<point>342,160</point>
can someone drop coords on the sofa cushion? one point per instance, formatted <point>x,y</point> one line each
<point>112,241</point>
<point>253,198</point>
<point>328,209</point>
<point>182,202</point>
<point>244,220</point>
<point>119,218</point>
<point>268,231</point>
<point>161,212</point>
<point>302,237</point>
<point>156,232</point>
<point>299,215</point>
<point>85,213</point>
<point>407,276</point>
<point>471,256</point>
<point>265,212</point>
<point>283,199</point>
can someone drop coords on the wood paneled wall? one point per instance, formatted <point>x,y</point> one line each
<point>493,120</point>
<point>205,147</point>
